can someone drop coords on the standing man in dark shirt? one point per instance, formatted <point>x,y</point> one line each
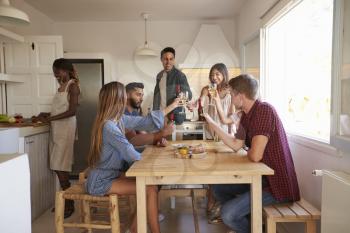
<point>261,130</point>
<point>170,81</point>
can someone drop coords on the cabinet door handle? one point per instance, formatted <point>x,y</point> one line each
<point>29,142</point>
<point>33,46</point>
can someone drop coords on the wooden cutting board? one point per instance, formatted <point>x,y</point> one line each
<point>23,124</point>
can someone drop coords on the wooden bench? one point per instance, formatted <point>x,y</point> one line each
<point>300,211</point>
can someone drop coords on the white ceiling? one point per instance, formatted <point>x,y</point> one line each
<point>121,10</point>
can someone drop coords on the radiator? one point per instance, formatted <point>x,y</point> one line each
<point>335,217</point>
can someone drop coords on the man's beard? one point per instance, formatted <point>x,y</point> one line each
<point>134,104</point>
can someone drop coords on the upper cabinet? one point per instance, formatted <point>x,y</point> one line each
<point>7,36</point>
<point>31,63</point>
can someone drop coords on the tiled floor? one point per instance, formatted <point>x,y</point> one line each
<point>179,220</point>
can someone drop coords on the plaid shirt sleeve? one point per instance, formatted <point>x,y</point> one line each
<point>265,123</point>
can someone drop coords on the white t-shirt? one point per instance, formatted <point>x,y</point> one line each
<point>162,88</point>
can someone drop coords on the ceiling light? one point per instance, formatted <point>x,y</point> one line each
<point>11,15</point>
<point>145,50</point>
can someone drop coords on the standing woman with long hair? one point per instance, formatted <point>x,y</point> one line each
<point>110,150</point>
<point>218,75</point>
<point>63,124</point>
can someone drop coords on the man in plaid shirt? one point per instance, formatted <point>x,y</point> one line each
<point>261,130</point>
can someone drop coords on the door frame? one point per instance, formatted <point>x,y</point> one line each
<point>73,175</point>
<point>88,60</point>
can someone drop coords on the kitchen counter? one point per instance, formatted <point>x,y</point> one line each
<point>27,130</point>
<point>6,157</point>
<point>31,130</point>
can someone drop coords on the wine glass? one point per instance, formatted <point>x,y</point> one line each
<point>191,105</point>
<point>183,101</point>
<point>212,92</point>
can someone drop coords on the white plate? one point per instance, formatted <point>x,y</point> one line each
<point>194,156</point>
<point>177,145</point>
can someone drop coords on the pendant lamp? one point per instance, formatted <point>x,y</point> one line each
<point>145,50</point>
<point>10,15</point>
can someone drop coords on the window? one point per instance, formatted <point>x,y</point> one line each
<point>296,70</point>
<point>340,133</point>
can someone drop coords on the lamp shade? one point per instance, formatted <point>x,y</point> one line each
<point>11,15</point>
<point>145,51</point>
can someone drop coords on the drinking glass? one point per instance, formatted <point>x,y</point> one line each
<point>183,101</point>
<point>212,92</point>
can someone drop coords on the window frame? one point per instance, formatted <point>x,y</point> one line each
<point>337,143</point>
<point>342,143</point>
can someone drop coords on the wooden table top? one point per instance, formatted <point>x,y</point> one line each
<point>219,160</point>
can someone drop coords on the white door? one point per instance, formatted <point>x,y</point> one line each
<point>31,62</point>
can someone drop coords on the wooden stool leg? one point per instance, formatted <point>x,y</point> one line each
<point>81,209</point>
<point>310,226</point>
<point>270,226</point>
<point>86,214</point>
<point>194,209</point>
<point>59,212</point>
<point>114,214</point>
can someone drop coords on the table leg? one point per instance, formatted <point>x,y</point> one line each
<point>141,204</point>
<point>256,205</point>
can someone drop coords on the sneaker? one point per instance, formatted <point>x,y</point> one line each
<point>214,216</point>
<point>161,217</point>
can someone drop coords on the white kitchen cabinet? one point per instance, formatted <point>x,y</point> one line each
<point>42,179</point>
<point>31,63</point>
<point>14,194</point>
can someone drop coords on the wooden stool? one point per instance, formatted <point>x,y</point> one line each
<point>77,192</point>
<point>124,201</point>
<point>300,211</point>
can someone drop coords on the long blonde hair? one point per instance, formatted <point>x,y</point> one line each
<point>111,106</point>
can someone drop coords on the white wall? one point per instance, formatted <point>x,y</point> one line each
<point>40,24</point>
<point>119,40</point>
<point>306,157</point>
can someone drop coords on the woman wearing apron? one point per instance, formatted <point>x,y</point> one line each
<point>63,124</point>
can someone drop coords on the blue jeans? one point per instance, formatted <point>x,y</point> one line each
<point>235,204</point>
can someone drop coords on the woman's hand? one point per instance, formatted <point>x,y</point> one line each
<point>44,119</point>
<point>44,114</point>
<point>216,97</point>
<point>208,118</point>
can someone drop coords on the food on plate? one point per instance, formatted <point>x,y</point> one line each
<point>4,118</point>
<point>183,150</point>
<point>197,149</point>
<point>12,120</point>
<point>19,118</point>
<point>190,151</point>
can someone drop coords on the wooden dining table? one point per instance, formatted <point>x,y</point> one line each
<point>220,165</point>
